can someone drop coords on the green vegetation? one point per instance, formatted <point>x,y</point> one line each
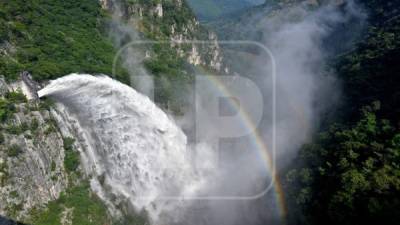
<point>76,204</point>
<point>68,143</point>
<point>369,73</point>
<point>14,194</point>
<point>350,173</point>
<point>132,220</point>
<point>14,150</point>
<point>14,208</point>
<point>169,70</point>
<point>54,38</point>
<point>34,125</point>
<point>51,38</point>
<point>159,28</point>
<point>6,109</point>
<point>45,103</point>
<point>72,158</point>
<point>3,166</point>
<point>17,129</point>
<point>79,206</point>
<point>173,75</point>
<point>7,104</point>
<point>16,97</point>
<point>170,78</point>
<point>53,166</point>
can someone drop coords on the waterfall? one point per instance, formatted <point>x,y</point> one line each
<point>132,147</point>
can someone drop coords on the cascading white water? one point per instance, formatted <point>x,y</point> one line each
<point>136,149</point>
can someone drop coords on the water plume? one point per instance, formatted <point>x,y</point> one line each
<point>133,148</point>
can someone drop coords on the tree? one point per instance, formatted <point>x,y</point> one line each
<point>350,175</point>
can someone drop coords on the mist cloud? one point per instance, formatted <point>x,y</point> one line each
<point>297,37</point>
<point>301,41</point>
<point>132,52</point>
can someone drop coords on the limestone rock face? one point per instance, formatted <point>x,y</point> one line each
<point>31,159</point>
<point>158,19</point>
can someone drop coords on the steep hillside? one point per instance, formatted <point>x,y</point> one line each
<point>237,27</point>
<point>53,38</point>
<point>372,65</point>
<point>350,173</point>
<point>40,177</point>
<point>170,21</point>
<point>181,45</point>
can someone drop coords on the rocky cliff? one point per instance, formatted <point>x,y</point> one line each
<point>40,177</point>
<point>32,172</point>
<point>41,180</point>
<point>171,21</point>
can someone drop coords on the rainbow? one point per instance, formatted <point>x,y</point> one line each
<point>260,145</point>
<point>257,139</point>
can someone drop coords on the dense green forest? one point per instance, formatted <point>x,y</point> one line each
<point>350,172</point>
<point>54,38</point>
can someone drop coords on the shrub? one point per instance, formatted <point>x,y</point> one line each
<point>17,129</point>
<point>88,209</point>
<point>71,160</point>
<point>53,166</point>
<point>68,143</point>
<point>45,104</point>
<point>14,150</point>
<point>16,97</point>
<point>34,124</point>
<point>6,109</point>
